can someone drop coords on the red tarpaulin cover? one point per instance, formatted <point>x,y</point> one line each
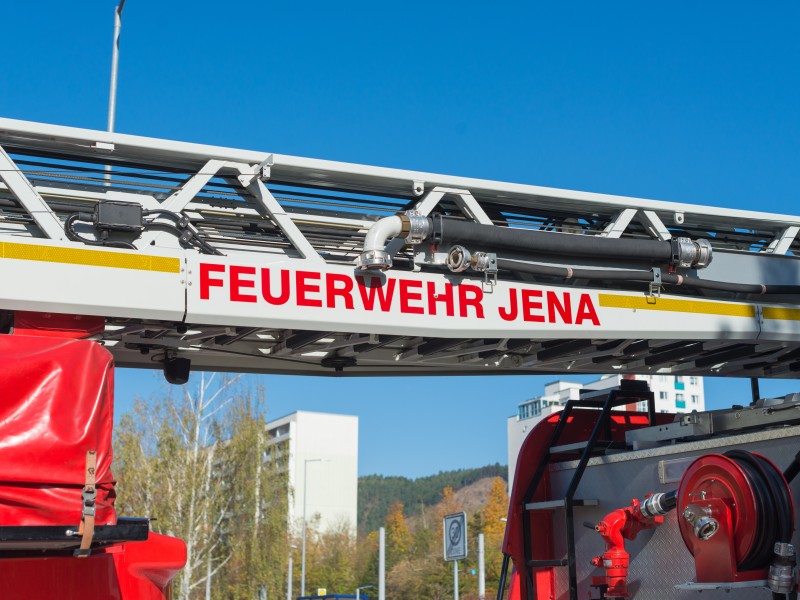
<point>56,403</point>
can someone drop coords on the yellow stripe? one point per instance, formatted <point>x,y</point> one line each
<point>784,314</point>
<point>92,258</point>
<point>672,305</point>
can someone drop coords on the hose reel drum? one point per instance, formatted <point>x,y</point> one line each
<point>736,516</point>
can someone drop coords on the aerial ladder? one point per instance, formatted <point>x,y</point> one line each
<point>181,257</point>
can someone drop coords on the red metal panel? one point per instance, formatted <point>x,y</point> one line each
<point>534,449</point>
<point>57,325</point>
<point>57,405</point>
<point>131,571</point>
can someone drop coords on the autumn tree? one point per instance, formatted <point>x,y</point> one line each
<point>494,526</point>
<point>398,537</point>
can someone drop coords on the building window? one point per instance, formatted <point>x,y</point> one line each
<point>693,380</point>
<point>679,385</point>
<point>695,399</point>
<point>642,406</point>
<point>662,395</point>
<point>679,401</point>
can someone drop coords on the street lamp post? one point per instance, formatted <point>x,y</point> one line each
<point>112,95</point>
<point>305,510</point>
<point>291,573</point>
<point>363,587</point>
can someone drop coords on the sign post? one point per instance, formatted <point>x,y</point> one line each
<point>455,543</point>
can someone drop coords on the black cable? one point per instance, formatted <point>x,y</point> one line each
<point>773,508</point>
<point>69,230</point>
<point>180,230</point>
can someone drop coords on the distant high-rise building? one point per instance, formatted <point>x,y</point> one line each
<point>672,394</point>
<point>322,450</point>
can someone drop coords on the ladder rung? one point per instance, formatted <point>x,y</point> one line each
<point>568,448</point>
<point>561,562</point>
<point>551,504</point>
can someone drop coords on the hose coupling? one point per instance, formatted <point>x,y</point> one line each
<point>657,505</point>
<point>704,525</point>
<point>375,259</point>
<point>781,579</point>
<point>460,259</point>
<point>688,253</point>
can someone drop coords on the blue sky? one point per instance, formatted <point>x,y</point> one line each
<point>681,101</point>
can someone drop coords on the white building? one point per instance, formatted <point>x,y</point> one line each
<point>672,394</point>
<point>322,453</point>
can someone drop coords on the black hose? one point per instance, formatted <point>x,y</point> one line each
<point>793,469</point>
<point>669,500</point>
<point>638,275</point>
<point>492,238</point>
<point>773,508</point>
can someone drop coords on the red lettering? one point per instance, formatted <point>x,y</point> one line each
<point>529,305</point>
<point>446,297</point>
<point>555,306</point>
<point>510,313</point>
<point>372,287</point>
<point>304,288</point>
<point>470,295</point>
<point>206,281</point>
<point>586,311</point>
<point>237,283</point>
<point>343,290</point>
<point>407,296</point>
<point>266,284</point>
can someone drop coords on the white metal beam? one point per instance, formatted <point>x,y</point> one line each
<point>274,210</point>
<point>29,198</point>
<point>782,243</point>
<point>620,223</point>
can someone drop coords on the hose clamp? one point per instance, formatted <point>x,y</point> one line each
<point>416,226</point>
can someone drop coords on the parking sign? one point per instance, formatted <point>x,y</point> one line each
<point>455,536</point>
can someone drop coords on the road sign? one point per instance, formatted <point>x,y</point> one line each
<point>455,536</point>
<point>322,591</point>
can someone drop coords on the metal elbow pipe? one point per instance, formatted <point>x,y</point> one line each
<point>411,226</point>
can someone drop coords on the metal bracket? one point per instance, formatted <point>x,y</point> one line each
<point>418,188</point>
<point>654,289</point>
<point>490,274</point>
<point>103,147</point>
<point>260,171</point>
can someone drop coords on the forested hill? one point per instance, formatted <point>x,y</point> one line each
<point>376,492</point>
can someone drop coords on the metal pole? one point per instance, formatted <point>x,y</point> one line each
<point>289,582</point>
<point>305,510</point>
<point>481,569</point>
<point>112,96</point>
<point>455,580</point>
<point>382,564</point>
<point>358,593</point>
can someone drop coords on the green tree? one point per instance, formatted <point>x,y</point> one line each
<point>202,465</point>
<point>255,528</point>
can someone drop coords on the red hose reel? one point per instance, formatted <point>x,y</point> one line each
<point>731,508</point>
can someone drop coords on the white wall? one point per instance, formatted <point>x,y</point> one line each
<point>333,482</point>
